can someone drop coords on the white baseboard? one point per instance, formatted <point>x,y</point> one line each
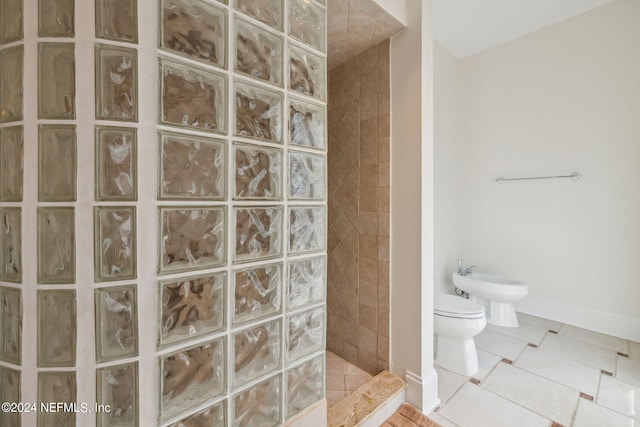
<point>422,393</point>
<point>607,323</point>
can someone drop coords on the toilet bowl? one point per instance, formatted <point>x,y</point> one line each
<point>496,294</point>
<point>456,321</point>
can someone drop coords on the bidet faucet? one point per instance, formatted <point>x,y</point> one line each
<point>464,271</point>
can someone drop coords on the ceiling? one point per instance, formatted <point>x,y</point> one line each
<point>467,27</point>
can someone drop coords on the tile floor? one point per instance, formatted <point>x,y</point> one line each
<point>544,373</point>
<point>342,378</point>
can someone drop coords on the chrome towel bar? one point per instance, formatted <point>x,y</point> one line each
<point>573,176</point>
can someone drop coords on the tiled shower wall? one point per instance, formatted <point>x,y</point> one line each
<point>358,240</point>
<point>163,201</point>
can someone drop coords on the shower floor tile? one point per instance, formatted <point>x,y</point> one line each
<point>342,378</point>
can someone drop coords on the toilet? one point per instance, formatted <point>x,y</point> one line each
<point>456,321</point>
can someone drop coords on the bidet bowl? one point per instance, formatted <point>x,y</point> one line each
<point>497,295</point>
<point>492,288</point>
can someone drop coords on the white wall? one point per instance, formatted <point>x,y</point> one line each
<point>448,152</point>
<point>563,99</point>
<point>411,247</point>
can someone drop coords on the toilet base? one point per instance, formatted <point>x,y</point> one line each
<point>498,313</point>
<point>457,354</point>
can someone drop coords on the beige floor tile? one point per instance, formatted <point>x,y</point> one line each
<point>591,415</point>
<point>565,371</point>
<point>539,321</point>
<point>634,350</point>
<point>448,383</point>
<point>474,406</point>
<point>335,381</point>
<point>620,396</point>
<point>628,370</point>
<point>499,344</point>
<point>545,397</point>
<point>353,381</point>
<point>334,396</point>
<point>486,362</point>
<point>526,332</point>
<point>606,341</point>
<point>441,420</point>
<point>580,351</point>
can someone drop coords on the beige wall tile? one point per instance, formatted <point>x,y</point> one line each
<point>383,273</point>
<point>368,223</point>
<point>383,348</point>
<point>368,286</point>
<point>384,150</point>
<point>383,298</point>
<point>368,199</point>
<point>383,323</point>
<point>367,362</point>
<point>359,154</point>
<point>383,199</point>
<point>368,317</point>
<point>369,246</point>
<point>383,248</point>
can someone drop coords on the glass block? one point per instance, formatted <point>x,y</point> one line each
<point>11,82</point>
<point>10,392</point>
<point>192,97</point>
<point>11,164</point>
<point>56,387</point>
<point>11,25</point>
<point>267,11</point>
<point>116,164</point>
<point>258,233</point>
<point>191,307</point>
<point>56,245</point>
<point>307,176</point>
<point>56,328</point>
<point>192,238</point>
<point>305,333</point>
<point>259,52</point>
<point>195,29</point>
<point>56,81</point>
<point>116,83</point>
<point>304,385</point>
<point>56,18</point>
<point>193,167</point>
<point>307,282</point>
<point>307,73</point>
<point>213,416</point>
<point>191,376</point>
<point>258,292</point>
<point>117,389</point>
<point>11,325</point>
<point>258,406</point>
<point>115,243</point>
<point>258,174</point>
<point>11,245</point>
<point>307,229</point>
<point>307,23</point>
<point>258,113</point>
<point>57,163</point>
<point>307,124</point>
<point>256,351</point>
<point>116,323</point>
<point>117,20</point>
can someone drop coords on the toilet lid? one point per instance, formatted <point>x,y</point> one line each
<point>454,306</point>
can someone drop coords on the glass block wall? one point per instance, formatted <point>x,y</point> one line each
<point>163,203</point>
